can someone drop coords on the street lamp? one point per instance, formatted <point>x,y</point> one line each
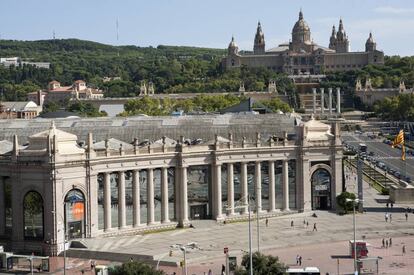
<point>183,248</point>
<point>250,230</point>
<point>64,241</point>
<point>354,201</point>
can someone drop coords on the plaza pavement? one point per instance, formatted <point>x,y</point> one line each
<point>279,238</point>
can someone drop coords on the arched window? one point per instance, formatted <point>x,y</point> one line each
<point>75,213</point>
<point>33,215</point>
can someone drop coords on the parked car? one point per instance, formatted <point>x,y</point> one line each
<point>397,175</point>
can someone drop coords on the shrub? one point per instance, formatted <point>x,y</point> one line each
<point>385,191</point>
<point>343,204</point>
<point>135,268</point>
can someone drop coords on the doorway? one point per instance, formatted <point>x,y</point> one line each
<point>321,190</point>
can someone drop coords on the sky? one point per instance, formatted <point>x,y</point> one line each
<point>209,23</point>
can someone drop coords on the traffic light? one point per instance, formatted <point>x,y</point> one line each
<point>171,253</point>
<point>182,263</point>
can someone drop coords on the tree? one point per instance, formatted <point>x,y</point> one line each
<point>343,204</point>
<point>135,268</point>
<point>262,265</point>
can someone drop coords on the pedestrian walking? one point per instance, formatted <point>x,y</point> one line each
<point>386,217</point>
<point>314,227</point>
<point>297,259</point>
<point>390,242</point>
<point>383,243</point>
<point>210,272</point>
<point>304,222</point>
<point>392,205</point>
<point>300,260</point>
<point>267,222</point>
<point>223,270</point>
<point>390,217</point>
<point>386,243</point>
<point>406,216</point>
<point>291,223</point>
<point>403,249</point>
<point>307,224</point>
<point>387,205</point>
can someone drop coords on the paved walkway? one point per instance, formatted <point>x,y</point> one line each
<point>333,230</point>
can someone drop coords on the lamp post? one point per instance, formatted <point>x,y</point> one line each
<point>354,219</point>
<point>184,248</point>
<point>64,241</point>
<point>250,231</point>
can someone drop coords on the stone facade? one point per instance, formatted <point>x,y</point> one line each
<point>111,187</point>
<point>302,56</point>
<point>55,93</point>
<point>369,95</point>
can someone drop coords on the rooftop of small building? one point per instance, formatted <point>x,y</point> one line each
<point>18,105</point>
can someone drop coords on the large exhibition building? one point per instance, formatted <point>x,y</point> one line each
<point>85,178</point>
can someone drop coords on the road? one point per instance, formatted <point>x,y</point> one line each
<point>383,152</point>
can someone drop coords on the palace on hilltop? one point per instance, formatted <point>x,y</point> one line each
<point>302,56</point>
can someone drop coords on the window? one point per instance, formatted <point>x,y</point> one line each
<point>33,215</point>
<point>75,213</point>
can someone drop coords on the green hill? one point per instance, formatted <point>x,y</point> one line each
<point>172,69</point>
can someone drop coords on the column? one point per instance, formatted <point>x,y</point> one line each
<point>136,199</point>
<point>338,100</point>
<point>164,195</point>
<point>322,100</point>
<point>2,208</point>
<point>230,189</point>
<point>305,188</point>
<point>272,193</point>
<point>314,100</point>
<point>184,196</point>
<point>121,200</point>
<point>330,101</point>
<point>258,185</point>
<point>244,188</point>
<point>92,227</point>
<point>218,208</point>
<point>107,202</point>
<point>177,194</point>
<point>150,197</point>
<point>285,175</point>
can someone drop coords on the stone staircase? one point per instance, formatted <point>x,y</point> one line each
<point>306,102</point>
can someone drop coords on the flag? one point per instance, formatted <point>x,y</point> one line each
<point>399,140</point>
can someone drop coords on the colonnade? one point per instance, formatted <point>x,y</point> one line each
<point>136,213</point>
<point>322,108</point>
<point>181,196</point>
<point>217,210</point>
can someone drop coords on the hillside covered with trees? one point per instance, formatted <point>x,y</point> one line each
<point>172,69</point>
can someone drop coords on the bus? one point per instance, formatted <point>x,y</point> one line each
<point>363,148</point>
<point>302,271</point>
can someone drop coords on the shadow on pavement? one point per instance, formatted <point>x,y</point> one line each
<point>383,209</point>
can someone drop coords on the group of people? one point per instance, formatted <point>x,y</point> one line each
<point>298,260</point>
<point>305,225</point>
<point>388,217</point>
<point>386,243</point>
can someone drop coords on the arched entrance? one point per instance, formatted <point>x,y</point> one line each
<point>75,214</point>
<point>321,189</point>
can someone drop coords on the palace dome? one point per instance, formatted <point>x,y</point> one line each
<point>301,30</point>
